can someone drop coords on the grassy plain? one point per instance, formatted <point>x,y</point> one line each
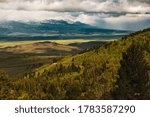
<point>65,42</point>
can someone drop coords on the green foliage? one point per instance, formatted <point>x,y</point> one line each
<point>134,80</point>
<point>5,85</point>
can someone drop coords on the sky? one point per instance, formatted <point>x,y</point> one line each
<point>112,14</point>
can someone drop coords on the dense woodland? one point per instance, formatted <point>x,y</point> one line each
<point>117,70</point>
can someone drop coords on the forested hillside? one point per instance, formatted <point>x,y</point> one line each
<point>117,70</point>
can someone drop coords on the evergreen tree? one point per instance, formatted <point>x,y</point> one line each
<point>133,81</point>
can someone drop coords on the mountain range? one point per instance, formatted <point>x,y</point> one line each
<point>53,29</point>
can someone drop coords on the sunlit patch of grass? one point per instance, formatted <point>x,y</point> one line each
<point>65,42</point>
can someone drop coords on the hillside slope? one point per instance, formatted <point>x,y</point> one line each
<point>117,70</point>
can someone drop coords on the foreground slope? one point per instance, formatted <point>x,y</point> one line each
<point>93,74</point>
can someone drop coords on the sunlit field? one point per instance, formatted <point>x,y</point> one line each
<point>65,42</point>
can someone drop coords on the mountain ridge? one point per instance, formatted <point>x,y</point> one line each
<point>52,27</point>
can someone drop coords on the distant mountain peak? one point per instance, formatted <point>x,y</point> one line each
<point>58,21</point>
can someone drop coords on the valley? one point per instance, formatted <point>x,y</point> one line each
<point>104,70</point>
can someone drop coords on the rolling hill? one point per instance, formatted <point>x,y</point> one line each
<point>48,48</point>
<point>19,58</point>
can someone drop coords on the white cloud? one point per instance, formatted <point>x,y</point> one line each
<point>36,16</point>
<point>77,5</point>
<point>96,12</point>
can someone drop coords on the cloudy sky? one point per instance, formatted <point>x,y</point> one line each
<point>115,14</point>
